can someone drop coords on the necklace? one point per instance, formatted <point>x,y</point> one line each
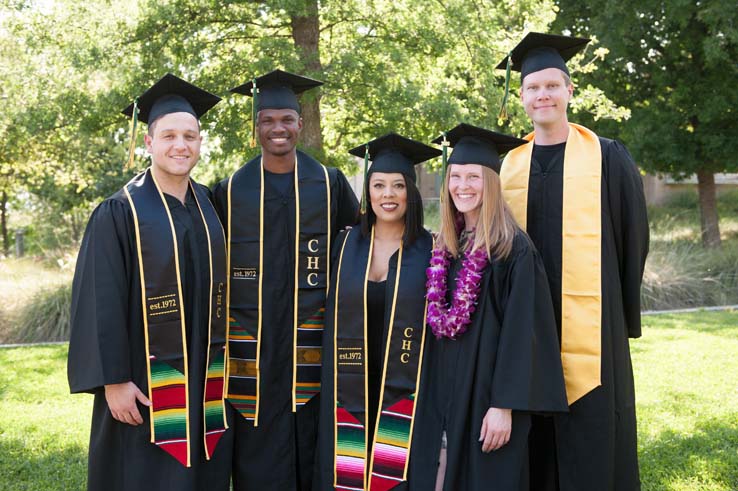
<point>452,322</point>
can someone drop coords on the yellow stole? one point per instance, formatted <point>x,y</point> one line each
<point>581,250</point>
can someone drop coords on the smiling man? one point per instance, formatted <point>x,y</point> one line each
<point>580,198</point>
<point>281,210</point>
<point>148,315</point>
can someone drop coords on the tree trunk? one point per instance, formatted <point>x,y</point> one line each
<point>306,35</point>
<point>708,209</point>
<point>4,222</point>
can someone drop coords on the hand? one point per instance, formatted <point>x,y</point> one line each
<point>496,429</point>
<point>122,399</point>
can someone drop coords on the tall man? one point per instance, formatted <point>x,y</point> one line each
<point>580,198</point>
<point>281,210</point>
<point>149,314</point>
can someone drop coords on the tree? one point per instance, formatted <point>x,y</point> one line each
<point>674,64</point>
<point>415,67</point>
<point>59,139</point>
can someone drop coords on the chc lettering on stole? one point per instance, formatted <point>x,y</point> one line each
<point>313,270</point>
<point>407,344</point>
<point>219,300</point>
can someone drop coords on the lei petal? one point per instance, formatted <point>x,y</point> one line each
<point>451,322</point>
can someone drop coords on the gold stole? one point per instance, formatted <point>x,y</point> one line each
<point>581,250</point>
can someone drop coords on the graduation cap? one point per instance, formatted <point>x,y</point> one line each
<point>538,51</point>
<point>169,95</point>
<point>392,153</point>
<point>275,90</point>
<point>474,145</point>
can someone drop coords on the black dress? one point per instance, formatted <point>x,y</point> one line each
<point>107,346</point>
<point>509,359</point>
<point>409,300</point>
<point>375,299</point>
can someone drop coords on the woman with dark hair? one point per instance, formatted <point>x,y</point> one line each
<point>374,333</point>
<point>493,357</point>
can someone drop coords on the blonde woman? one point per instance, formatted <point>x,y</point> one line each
<point>493,357</point>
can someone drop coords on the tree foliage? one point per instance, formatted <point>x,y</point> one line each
<point>674,64</point>
<point>415,67</point>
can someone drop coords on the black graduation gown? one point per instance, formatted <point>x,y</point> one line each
<point>595,442</point>
<point>377,341</point>
<point>508,358</point>
<point>278,454</point>
<point>107,346</point>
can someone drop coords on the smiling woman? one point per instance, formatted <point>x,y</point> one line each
<point>374,338</point>
<point>494,356</point>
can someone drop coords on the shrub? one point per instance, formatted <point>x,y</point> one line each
<point>46,316</point>
<point>683,274</point>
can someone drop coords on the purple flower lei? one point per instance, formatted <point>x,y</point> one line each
<point>452,322</point>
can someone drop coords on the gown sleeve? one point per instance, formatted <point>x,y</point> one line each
<point>98,346</point>
<point>630,224</point>
<point>347,205</point>
<point>527,372</point>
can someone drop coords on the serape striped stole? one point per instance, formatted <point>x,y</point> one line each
<point>248,264</point>
<point>386,466</point>
<point>164,319</point>
<point>581,248</point>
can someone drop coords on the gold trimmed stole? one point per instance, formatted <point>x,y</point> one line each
<point>354,466</point>
<point>581,250</point>
<point>164,320</point>
<point>248,261</point>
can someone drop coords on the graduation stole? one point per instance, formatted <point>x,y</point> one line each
<point>164,319</point>
<point>581,261</point>
<point>248,262</point>
<point>400,375</point>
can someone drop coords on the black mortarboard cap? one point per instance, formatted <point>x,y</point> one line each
<point>392,153</point>
<point>171,94</point>
<point>395,153</point>
<point>538,51</point>
<point>474,145</point>
<point>277,89</point>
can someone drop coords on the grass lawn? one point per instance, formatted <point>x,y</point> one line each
<point>686,372</point>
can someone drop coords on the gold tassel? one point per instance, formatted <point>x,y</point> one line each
<point>132,130</point>
<point>364,186</point>
<point>503,110</point>
<point>254,112</point>
<point>444,164</point>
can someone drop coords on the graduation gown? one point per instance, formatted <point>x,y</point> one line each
<point>508,358</point>
<point>278,454</point>
<point>107,346</point>
<point>595,443</point>
<point>415,260</point>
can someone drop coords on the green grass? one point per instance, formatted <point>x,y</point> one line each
<point>44,431</point>
<point>686,373</point>
<point>685,368</point>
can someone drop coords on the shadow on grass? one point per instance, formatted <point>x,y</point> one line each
<point>707,456</point>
